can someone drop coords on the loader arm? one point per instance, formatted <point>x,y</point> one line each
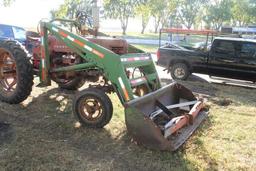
<point>112,65</point>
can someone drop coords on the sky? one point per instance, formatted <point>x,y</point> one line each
<point>28,13</point>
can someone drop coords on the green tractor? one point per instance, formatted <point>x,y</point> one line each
<point>156,117</point>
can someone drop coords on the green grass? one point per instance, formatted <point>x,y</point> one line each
<point>137,35</point>
<point>154,36</point>
<point>45,137</point>
<point>230,138</point>
<point>147,48</point>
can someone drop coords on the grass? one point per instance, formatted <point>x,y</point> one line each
<point>147,48</point>
<point>45,137</point>
<point>137,35</point>
<point>230,139</point>
<point>154,36</point>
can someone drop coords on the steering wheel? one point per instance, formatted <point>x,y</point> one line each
<point>84,19</point>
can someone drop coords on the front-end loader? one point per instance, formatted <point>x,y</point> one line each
<point>156,117</point>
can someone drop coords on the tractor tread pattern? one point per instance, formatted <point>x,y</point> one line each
<point>24,73</point>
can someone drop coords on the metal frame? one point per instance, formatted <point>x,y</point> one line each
<point>208,33</point>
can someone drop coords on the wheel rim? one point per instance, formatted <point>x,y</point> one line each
<point>91,109</point>
<point>8,74</point>
<point>179,73</point>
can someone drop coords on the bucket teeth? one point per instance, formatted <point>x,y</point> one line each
<point>184,133</point>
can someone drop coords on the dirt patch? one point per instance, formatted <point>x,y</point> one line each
<point>222,102</point>
<point>196,86</point>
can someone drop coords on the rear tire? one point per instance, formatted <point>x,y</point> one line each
<point>179,71</point>
<point>22,70</point>
<point>93,108</point>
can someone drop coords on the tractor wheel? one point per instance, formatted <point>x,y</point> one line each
<point>16,73</point>
<point>179,71</point>
<point>72,84</point>
<point>93,108</point>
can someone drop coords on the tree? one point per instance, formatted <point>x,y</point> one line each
<point>218,13</point>
<point>161,10</point>
<point>202,18</point>
<point>70,7</point>
<point>120,9</point>
<point>157,7</point>
<point>188,10</point>
<point>241,11</point>
<point>5,2</point>
<point>143,10</point>
<point>252,11</point>
<point>168,12</point>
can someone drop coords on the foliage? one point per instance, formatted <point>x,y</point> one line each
<point>143,10</point>
<point>121,9</point>
<point>161,10</point>
<point>242,12</point>
<point>157,8</point>
<point>188,10</point>
<point>169,11</point>
<point>70,7</point>
<point>189,13</point>
<point>5,2</point>
<point>218,13</point>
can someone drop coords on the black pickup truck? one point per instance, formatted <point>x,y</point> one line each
<point>226,57</point>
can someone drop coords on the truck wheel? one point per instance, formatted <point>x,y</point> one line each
<point>16,73</point>
<point>179,71</point>
<point>93,108</point>
<point>72,84</point>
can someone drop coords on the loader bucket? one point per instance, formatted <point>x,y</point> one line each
<point>151,125</point>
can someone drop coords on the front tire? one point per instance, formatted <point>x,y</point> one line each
<point>93,108</point>
<point>16,73</point>
<point>179,71</point>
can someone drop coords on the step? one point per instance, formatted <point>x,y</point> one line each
<point>142,80</point>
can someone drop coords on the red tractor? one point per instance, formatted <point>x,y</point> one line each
<point>61,55</point>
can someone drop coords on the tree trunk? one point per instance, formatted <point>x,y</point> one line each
<point>219,26</point>
<point>144,25</point>
<point>189,26</point>
<point>143,29</point>
<point>124,24</point>
<point>124,30</point>
<point>157,22</point>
